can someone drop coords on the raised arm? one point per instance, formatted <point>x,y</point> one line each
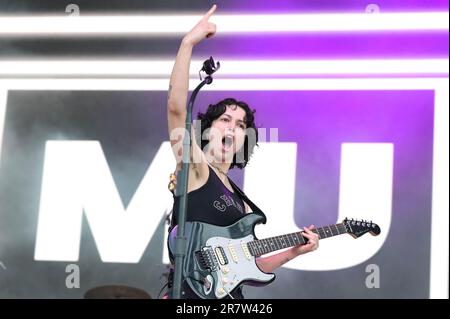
<point>179,85</point>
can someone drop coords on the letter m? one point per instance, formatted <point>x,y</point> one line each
<point>77,178</point>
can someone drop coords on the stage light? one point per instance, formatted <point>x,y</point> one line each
<point>239,68</point>
<point>167,25</point>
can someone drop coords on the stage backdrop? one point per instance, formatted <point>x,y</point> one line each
<point>354,124</point>
<point>69,152</point>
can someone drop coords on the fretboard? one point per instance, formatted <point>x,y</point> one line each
<point>267,245</point>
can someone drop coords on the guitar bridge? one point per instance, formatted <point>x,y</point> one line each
<point>207,258</point>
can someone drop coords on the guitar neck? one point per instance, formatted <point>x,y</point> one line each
<point>267,245</point>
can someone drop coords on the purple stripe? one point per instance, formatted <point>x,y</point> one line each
<point>284,6</point>
<point>328,46</point>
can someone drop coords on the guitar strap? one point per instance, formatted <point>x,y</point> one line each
<point>244,197</point>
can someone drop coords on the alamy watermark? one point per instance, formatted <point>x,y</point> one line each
<point>213,139</point>
<point>73,279</point>
<point>373,279</point>
<point>73,9</point>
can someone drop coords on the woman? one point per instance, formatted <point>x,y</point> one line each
<point>225,144</point>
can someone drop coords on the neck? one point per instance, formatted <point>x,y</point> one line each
<point>263,246</point>
<point>222,167</point>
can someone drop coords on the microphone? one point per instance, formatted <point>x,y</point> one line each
<point>209,67</point>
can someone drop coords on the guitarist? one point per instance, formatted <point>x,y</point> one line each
<point>225,144</point>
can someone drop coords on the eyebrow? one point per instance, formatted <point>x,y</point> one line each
<point>229,116</point>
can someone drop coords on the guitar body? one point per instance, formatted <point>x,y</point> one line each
<point>217,258</point>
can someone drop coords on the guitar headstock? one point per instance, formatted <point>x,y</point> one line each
<point>357,228</point>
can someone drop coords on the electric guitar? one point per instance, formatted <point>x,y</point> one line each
<point>220,259</point>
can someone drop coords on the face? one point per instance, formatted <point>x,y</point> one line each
<point>227,134</point>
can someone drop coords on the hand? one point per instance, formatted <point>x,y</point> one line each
<point>203,29</point>
<point>313,242</point>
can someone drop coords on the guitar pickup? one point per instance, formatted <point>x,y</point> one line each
<point>246,251</point>
<point>233,253</point>
<point>221,256</point>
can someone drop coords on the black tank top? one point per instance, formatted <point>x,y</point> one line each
<point>212,203</point>
<point>215,204</point>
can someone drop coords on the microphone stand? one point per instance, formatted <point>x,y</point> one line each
<point>182,183</point>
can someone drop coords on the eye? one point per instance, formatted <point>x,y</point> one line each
<point>225,119</point>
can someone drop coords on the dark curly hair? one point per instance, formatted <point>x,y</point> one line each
<point>214,111</point>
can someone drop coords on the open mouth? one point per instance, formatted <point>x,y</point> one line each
<point>227,142</point>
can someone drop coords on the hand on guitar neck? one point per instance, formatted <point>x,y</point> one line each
<point>313,242</point>
<point>270,263</point>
